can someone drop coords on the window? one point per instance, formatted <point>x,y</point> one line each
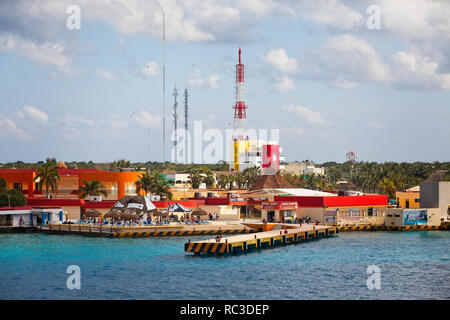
<point>18,186</point>
<point>417,200</point>
<point>370,212</point>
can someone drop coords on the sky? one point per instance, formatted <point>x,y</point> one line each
<point>369,76</point>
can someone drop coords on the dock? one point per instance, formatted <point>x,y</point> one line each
<point>260,240</point>
<point>147,231</point>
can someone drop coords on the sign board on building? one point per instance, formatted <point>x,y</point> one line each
<point>329,216</point>
<point>279,205</point>
<point>415,216</point>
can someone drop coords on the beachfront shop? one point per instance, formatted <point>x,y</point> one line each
<point>29,216</point>
<point>340,210</point>
<point>279,211</point>
<point>16,217</point>
<point>400,217</point>
<point>45,216</point>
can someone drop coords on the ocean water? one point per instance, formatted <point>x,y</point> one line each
<point>413,265</point>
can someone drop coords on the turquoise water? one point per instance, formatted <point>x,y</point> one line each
<point>414,265</point>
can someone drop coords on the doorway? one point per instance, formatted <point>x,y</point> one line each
<point>270,216</point>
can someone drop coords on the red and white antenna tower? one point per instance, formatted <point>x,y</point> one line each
<point>240,117</point>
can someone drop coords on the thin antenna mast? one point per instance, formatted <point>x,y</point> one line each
<point>175,118</point>
<point>186,123</point>
<point>164,89</point>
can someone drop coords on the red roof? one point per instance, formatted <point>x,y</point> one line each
<point>55,202</point>
<point>15,208</point>
<point>75,172</point>
<point>62,172</point>
<point>17,170</point>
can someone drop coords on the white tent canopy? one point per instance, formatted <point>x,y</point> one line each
<point>176,207</point>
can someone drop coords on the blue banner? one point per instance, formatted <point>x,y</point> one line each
<point>415,216</point>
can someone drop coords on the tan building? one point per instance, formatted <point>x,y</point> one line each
<point>400,217</point>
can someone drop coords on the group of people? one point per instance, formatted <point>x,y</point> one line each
<point>213,216</point>
<point>302,220</point>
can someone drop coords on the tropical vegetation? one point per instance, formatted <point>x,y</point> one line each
<point>152,182</point>
<point>371,177</point>
<point>92,188</point>
<point>48,176</point>
<point>10,197</point>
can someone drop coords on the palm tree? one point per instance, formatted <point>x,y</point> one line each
<point>222,181</point>
<point>3,185</point>
<point>251,176</point>
<point>153,182</point>
<point>48,176</point>
<point>92,188</point>
<point>209,179</point>
<point>144,182</point>
<point>117,165</point>
<point>195,178</point>
<point>240,180</point>
<point>160,186</point>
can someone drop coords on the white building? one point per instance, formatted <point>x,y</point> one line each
<point>30,217</point>
<point>303,167</point>
<point>260,153</point>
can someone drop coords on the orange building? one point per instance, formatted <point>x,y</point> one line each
<point>117,184</point>
<point>20,179</point>
<point>409,198</point>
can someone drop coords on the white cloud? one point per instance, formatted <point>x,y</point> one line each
<point>416,19</point>
<point>150,69</point>
<point>330,12</point>
<point>280,60</point>
<point>416,71</point>
<point>344,84</point>
<point>346,60</point>
<point>9,128</point>
<point>76,121</point>
<point>42,54</point>
<point>374,125</point>
<point>33,113</point>
<point>107,75</point>
<point>196,80</point>
<point>284,84</point>
<point>149,120</point>
<point>309,115</point>
<point>292,131</point>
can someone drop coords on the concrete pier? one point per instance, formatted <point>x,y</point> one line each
<point>259,240</point>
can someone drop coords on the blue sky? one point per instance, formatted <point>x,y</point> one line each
<point>314,70</point>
